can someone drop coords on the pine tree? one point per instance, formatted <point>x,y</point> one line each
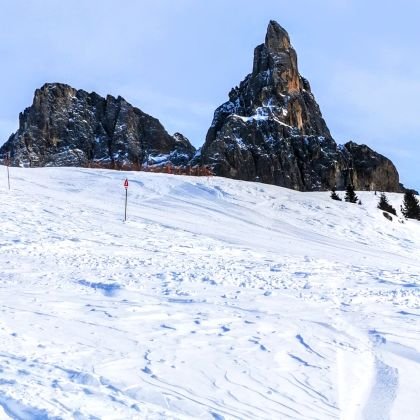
<point>334,195</point>
<point>411,206</point>
<point>350,196</point>
<point>385,206</point>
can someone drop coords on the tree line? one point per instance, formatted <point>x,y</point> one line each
<point>410,207</point>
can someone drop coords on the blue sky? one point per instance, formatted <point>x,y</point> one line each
<point>178,59</point>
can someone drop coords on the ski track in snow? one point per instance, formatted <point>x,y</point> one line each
<point>383,392</point>
<point>217,299</point>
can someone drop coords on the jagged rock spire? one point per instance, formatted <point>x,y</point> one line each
<point>277,38</point>
<point>278,58</point>
<point>272,130</point>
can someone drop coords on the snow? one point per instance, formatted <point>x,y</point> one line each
<point>256,117</point>
<point>159,158</point>
<point>217,299</point>
<point>265,114</point>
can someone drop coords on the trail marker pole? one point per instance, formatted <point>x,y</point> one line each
<point>126,196</point>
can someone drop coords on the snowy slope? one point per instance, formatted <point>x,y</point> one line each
<point>217,299</point>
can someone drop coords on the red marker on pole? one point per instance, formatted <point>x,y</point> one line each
<point>126,195</point>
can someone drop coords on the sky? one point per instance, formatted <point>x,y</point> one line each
<point>178,59</point>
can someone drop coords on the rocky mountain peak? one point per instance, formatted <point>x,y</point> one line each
<point>52,92</point>
<point>277,39</point>
<point>69,127</point>
<point>275,61</point>
<point>59,89</point>
<point>272,130</point>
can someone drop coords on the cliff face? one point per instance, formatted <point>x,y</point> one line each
<point>69,127</point>
<point>272,130</point>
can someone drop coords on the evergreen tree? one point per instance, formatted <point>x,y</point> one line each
<point>334,195</point>
<point>350,196</point>
<point>411,206</point>
<point>385,206</point>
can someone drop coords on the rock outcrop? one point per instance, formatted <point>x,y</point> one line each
<point>69,127</point>
<point>271,130</point>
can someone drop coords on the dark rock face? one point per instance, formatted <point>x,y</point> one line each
<point>69,127</point>
<point>370,170</point>
<point>272,130</point>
